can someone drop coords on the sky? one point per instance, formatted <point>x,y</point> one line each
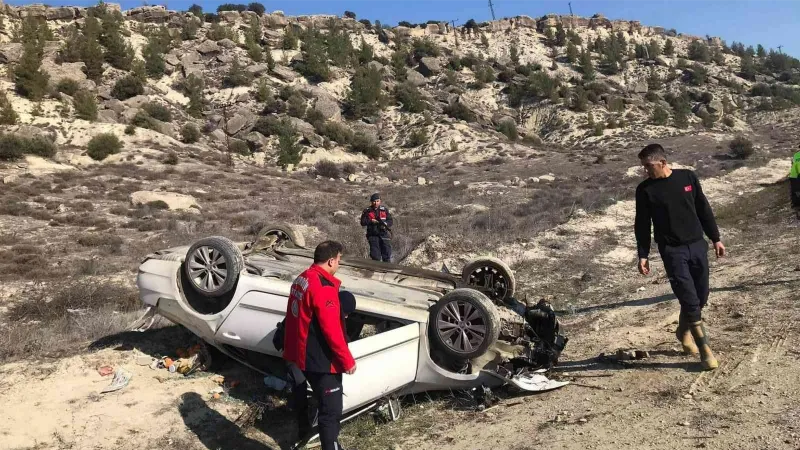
<point>767,22</point>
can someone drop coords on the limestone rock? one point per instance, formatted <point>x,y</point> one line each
<point>421,181</point>
<point>430,66</point>
<point>256,140</point>
<point>226,43</point>
<point>328,108</point>
<point>208,48</point>
<point>257,69</point>
<point>10,53</point>
<point>59,72</point>
<point>65,13</point>
<point>189,58</point>
<point>107,116</point>
<point>715,106</point>
<point>415,78</point>
<point>285,73</point>
<point>640,87</point>
<point>173,200</point>
<point>238,122</point>
<point>230,16</point>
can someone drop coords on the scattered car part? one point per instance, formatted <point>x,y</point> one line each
<point>121,379</point>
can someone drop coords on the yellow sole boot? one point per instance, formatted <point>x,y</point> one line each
<point>707,359</point>
<point>685,338</point>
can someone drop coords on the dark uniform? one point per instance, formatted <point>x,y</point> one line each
<point>378,234</point>
<point>794,183</point>
<point>680,214</point>
<point>315,343</point>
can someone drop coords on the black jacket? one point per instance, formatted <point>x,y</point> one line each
<point>384,218</point>
<point>678,210</point>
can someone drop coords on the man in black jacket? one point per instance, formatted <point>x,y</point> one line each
<point>679,211</point>
<point>378,221</point>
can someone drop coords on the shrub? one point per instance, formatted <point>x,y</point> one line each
<point>365,97</point>
<point>297,106</point>
<point>7,114</point>
<point>698,51</point>
<point>363,143</point>
<point>239,147</point>
<point>13,147</point>
<point>327,169</point>
<point>231,7</point>
<point>127,87</point>
<point>85,105</point>
<point>424,47</point>
<point>761,90</point>
<point>130,130</point>
<point>599,129</point>
<point>158,111</point>
<point>410,98</point>
<point>509,128</point>
<point>669,48</point>
<point>616,104</point>
<point>660,116</point>
<point>289,39</point>
<point>741,147</point>
<point>30,81</point>
<point>218,32</point>
<point>197,10</point>
<point>729,121</point>
<point>143,120</point>
<point>190,134</point>
<point>257,8</point>
<point>189,30</point>
<point>652,97</point>
<point>193,86</point>
<point>102,145</point>
<point>417,137</point>
<point>698,75</point>
<point>315,65</point>
<point>237,76</point>
<point>366,22</point>
<point>289,151</point>
<point>337,132</point>
<point>171,159</point>
<point>68,86</point>
<point>350,14</point>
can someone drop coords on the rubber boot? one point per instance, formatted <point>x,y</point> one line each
<point>685,337</point>
<point>707,359</point>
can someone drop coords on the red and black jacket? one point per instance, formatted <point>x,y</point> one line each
<point>314,334</point>
<point>384,218</point>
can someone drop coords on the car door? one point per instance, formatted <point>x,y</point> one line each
<point>385,363</point>
<point>251,324</point>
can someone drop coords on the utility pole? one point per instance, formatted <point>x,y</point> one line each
<point>570,9</point>
<point>571,16</point>
<point>455,32</point>
<point>780,47</point>
<point>491,7</point>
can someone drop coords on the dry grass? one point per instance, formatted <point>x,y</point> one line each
<point>65,320</point>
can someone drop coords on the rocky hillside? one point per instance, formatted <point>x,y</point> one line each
<point>293,91</point>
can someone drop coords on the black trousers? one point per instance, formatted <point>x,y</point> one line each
<point>380,248</point>
<point>687,269</point>
<point>794,190</point>
<point>327,389</point>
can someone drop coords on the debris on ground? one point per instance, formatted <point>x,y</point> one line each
<point>622,356</point>
<point>105,371</point>
<point>121,379</point>
<point>190,360</point>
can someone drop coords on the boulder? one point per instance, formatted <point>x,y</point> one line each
<point>149,14</point>
<point>525,22</point>
<point>375,65</point>
<point>243,97</point>
<point>107,116</point>
<point>442,28</point>
<point>35,10</point>
<point>226,43</point>
<point>239,122</point>
<point>30,131</point>
<point>257,69</point>
<point>115,105</point>
<point>315,140</point>
<point>301,126</point>
<point>421,181</point>
<point>640,87</point>
<point>365,129</point>
<point>137,102</point>
<point>129,114</point>
<point>664,61</point>
<point>429,66</point>
<point>329,108</point>
<point>276,20</point>
<point>189,58</point>
<point>172,59</point>
<point>285,73</point>
<point>715,106</point>
<point>230,16</point>
<point>548,178</point>
<point>312,91</point>
<point>256,140</point>
<point>273,37</point>
<point>225,58</point>
<point>194,69</point>
<point>173,200</point>
<point>208,48</point>
<point>432,28</point>
<point>65,13</point>
<point>415,78</point>
<point>599,21</point>
<point>10,53</point>
<point>61,71</point>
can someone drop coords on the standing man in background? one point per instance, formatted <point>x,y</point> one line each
<point>378,221</point>
<point>794,184</point>
<point>679,211</point>
<point>316,343</point>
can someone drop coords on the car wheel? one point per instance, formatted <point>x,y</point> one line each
<point>491,276</point>
<point>464,324</point>
<point>212,266</point>
<point>286,234</point>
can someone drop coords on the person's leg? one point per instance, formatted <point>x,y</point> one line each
<point>386,249</point>
<point>328,390</point>
<point>698,267</point>
<point>374,247</point>
<point>300,405</point>
<point>794,191</point>
<point>676,264</point>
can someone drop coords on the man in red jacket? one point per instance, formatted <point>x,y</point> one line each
<point>315,342</point>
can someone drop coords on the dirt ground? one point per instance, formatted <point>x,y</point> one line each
<point>750,402</point>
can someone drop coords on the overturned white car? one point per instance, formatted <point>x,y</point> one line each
<point>413,330</point>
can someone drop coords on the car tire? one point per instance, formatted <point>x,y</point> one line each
<point>212,266</point>
<point>491,276</point>
<point>463,324</point>
<point>289,235</point>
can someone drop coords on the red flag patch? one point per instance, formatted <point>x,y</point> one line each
<point>687,188</point>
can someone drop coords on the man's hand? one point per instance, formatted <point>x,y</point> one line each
<point>719,249</point>
<point>352,370</point>
<point>374,220</point>
<point>644,266</point>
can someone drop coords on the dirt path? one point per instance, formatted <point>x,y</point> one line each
<point>751,401</point>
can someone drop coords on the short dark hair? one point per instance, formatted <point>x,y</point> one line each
<point>327,250</point>
<point>653,151</point>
